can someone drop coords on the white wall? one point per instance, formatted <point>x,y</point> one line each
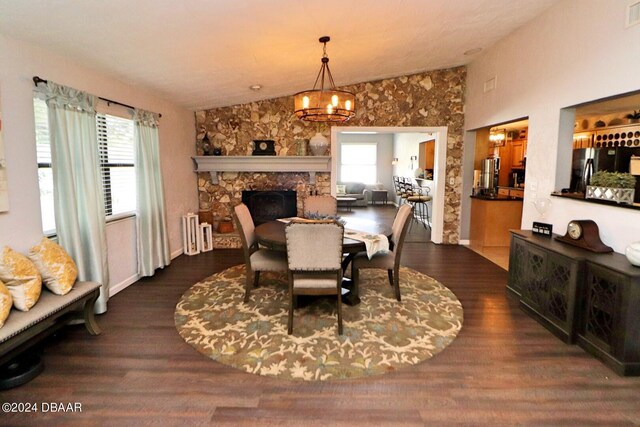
<point>406,145</point>
<point>384,154</point>
<point>21,227</point>
<point>577,51</point>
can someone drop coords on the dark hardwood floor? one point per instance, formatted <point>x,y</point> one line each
<point>504,368</point>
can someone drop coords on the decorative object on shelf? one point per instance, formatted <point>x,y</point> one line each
<point>206,237</point>
<point>542,205</point>
<point>633,253</point>
<point>217,151</point>
<point>633,117</point>
<point>206,145</point>
<point>542,228</point>
<point>318,144</point>
<point>322,104</point>
<point>190,228</point>
<point>225,226</point>
<point>600,124</point>
<point>616,187</point>
<point>584,233</point>
<point>264,147</point>
<point>301,146</point>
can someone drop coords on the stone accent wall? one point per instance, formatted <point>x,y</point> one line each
<point>434,98</point>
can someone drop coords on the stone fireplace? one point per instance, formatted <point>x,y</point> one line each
<point>269,205</point>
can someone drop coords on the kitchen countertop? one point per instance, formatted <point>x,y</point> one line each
<point>511,188</point>
<point>499,198</point>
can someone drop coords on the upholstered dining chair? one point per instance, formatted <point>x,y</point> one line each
<point>389,261</point>
<point>256,259</point>
<point>321,205</point>
<point>314,253</point>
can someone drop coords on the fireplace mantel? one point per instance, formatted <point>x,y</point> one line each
<point>215,164</point>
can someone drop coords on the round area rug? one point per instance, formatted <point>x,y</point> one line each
<point>380,334</point>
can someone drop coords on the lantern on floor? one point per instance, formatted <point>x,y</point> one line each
<point>190,228</point>
<point>206,237</point>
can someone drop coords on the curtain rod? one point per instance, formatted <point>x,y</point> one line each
<point>37,80</point>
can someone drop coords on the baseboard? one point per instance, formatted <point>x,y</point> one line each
<point>464,242</point>
<point>122,285</point>
<point>175,254</point>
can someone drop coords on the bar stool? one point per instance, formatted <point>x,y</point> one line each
<point>418,197</point>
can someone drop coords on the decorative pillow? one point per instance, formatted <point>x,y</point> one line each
<point>5,303</point>
<point>58,270</point>
<point>21,278</point>
<point>341,189</point>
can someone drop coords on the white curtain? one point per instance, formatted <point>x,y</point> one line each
<point>153,240</point>
<point>78,195</point>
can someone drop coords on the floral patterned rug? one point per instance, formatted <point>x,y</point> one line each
<point>381,334</point>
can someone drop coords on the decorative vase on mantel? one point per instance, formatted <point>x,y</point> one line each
<point>318,144</point>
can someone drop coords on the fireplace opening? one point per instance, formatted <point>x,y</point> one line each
<point>270,205</point>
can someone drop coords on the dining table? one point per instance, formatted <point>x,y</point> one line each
<point>271,235</point>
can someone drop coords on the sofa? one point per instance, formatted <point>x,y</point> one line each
<point>357,190</point>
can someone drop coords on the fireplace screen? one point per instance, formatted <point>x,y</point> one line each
<point>269,205</point>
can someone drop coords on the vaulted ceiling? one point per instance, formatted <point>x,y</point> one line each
<point>202,54</point>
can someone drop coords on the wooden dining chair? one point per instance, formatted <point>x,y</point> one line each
<point>314,253</point>
<point>320,205</point>
<point>256,259</point>
<point>389,261</point>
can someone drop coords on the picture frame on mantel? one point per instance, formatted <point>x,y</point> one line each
<point>4,190</point>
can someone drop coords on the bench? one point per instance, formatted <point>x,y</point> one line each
<point>25,329</point>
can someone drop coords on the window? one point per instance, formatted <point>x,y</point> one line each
<point>358,163</point>
<point>115,145</point>
<point>115,148</point>
<point>45,176</point>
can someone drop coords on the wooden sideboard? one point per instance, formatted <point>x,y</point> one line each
<point>582,297</point>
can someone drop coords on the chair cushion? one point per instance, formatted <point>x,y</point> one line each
<point>21,277</point>
<point>268,260</point>
<point>57,268</point>
<point>383,261</point>
<point>48,305</point>
<point>419,198</point>
<point>315,281</point>
<point>5,303</point>
<point>354,187</point>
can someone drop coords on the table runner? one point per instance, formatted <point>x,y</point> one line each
<point>375,243</point>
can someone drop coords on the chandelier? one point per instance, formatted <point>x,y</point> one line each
<point>322,104</point>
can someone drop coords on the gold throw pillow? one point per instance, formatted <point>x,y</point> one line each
<point>21,278</point>
<point>5,303</point>
<point>57,268</point>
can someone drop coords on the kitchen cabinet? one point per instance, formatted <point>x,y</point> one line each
<point>511,192</point>
<point>427,155</point>
<point>491,220</point>
<point>518,150</point>
<point>588,298</point>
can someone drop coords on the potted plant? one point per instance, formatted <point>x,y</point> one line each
<point>634,117</point>
<point>618,187</point>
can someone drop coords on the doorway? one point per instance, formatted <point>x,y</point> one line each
<point>439,134</point>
